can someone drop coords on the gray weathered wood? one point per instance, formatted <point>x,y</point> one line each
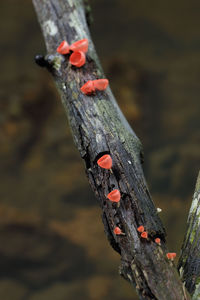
<point>189,262</point>
<point>99,127</point>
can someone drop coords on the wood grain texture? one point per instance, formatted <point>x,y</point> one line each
<point>99,127</point>
<point>189,262</point>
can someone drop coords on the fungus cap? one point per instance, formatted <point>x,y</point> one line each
<point>157,241</point>
<point>171,255</point>
<point>101,84</point>
<point>117,231</point>
<point>63,48</point>
<point>144,235</point>
<point>88,88</point>
<point>140,228</point>
<point>77,59</point>
<point>114,196</point>
<point>105,161</point>
<point>81,45</point>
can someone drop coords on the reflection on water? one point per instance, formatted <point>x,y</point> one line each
<point>52,242</point>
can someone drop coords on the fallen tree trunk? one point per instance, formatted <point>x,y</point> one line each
<point>98,128</point>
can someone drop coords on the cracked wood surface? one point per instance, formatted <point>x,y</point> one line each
<point>99,127</point>
<point>189,262</point>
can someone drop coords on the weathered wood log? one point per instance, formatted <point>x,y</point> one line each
<point>98,128</point>
<point>189,262</point>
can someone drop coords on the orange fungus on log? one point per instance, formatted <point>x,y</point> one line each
<point>140,228</point>
<point>117,231</point>
<point>88,88</point>
<point>114,196</point>
<point>144,235</point>
<point>81,45</point>
<point>171,255</point>
<point>77,59</point>
<point>100,84</point>
<point>63,48</point>
<point>105,161</point>
<point>157,241</point>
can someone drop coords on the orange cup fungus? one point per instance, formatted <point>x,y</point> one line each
<point>114,196</point>
<point>77,59</point>
<point>171,255</point>
<point>105,161</point>
<point>157,241</point>
<point>88,88</point>
<point>117,231</point>
<point>140,228</point>
<point>81,45</point>
<point>101,84</point>
<point>144,235</point>
<point>63,48</point>
<point>92,85</point>
<point>79,49</point>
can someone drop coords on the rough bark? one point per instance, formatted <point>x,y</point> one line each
<point>189,262</point>
<point>99,127</point>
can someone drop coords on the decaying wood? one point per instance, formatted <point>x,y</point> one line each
<point>189,262</point>
<point>98,127</point>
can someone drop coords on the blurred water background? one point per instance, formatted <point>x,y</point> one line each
<point>52,243</point>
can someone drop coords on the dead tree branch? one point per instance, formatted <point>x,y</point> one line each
<point>98,128</point>
<point>189,262</point>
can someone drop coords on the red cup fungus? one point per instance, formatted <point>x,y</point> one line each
<point>114,196</point>
<point>101,84</point>
<point>140,228</point>
<point>92,85</point>
<point>144,235</point>
<point>77,59</point>
<point>105,161</point>
<point>117,231</point>
<point>88,88</point>
<point>171,255</point>
<point>63,48</point>
<point>157,241</point>
<point>81,45</point>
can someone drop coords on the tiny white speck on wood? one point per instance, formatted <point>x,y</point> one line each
<point>159,209</point>
<point>98,138</point>
<point>50,28</point>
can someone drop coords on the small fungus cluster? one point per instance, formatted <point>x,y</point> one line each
<point>105,162</point>
<point>78,49</point>
<point>77,58</point>
<point>144,234</point>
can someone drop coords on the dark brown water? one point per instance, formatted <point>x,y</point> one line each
<point>52,244</point>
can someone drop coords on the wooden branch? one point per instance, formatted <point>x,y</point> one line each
<point>189,262</point>
<point>98,128</point>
